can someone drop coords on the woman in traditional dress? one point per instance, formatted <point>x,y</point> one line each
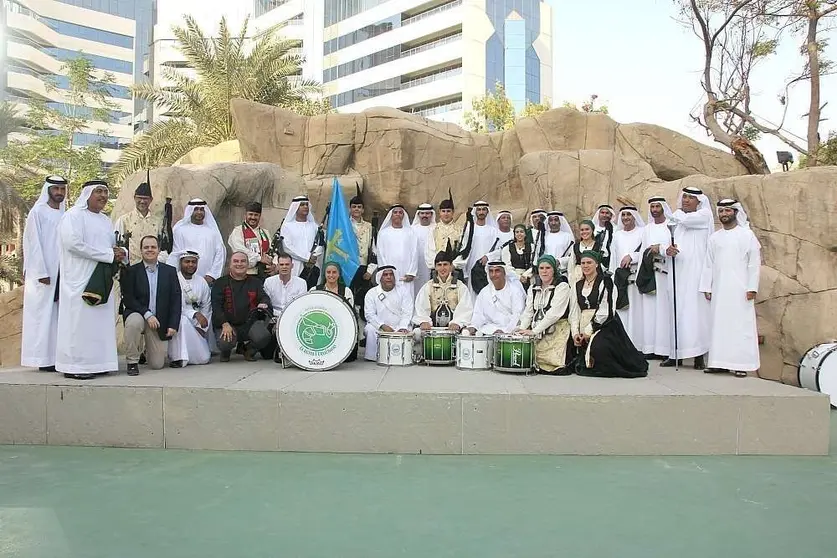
<point>545,317</point>
<point>334,284</point>
<point>517,254</point>
<point>604,348</point>
<point>587,240</point>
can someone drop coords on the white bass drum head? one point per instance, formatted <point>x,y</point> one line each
<point>317,331</point>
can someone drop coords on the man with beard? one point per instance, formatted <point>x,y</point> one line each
<point>362,281</point>
<point>254,241</point>
<point>559,239</point>
<point>445,231</point>
<point>388,308</point>
<point>627,241</point>
<point>499,306</point>
<point>299,232</point>
<point>140,221</point>
<point>730,282</point>
<point>481,238</point>
<point>695,223</point>
<point>40,276</point>
<point>423,226</point>
<point>190,344</point>
<point>199,232</point>
<point>86,331</point>
<point>235,299</point>
<point>397,248</point>
<point>652,282</point>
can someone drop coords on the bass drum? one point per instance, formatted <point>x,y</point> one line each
<point>818,370</point>
<point>317,331</point>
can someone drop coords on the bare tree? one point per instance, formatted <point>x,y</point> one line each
<point>810,19</point>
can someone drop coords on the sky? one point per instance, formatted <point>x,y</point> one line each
<point>640,62</point>
<point>646,67</point>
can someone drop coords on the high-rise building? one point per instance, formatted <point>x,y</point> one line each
<point>429,57</point>
<point>39,36</point>
<point>435,57</point>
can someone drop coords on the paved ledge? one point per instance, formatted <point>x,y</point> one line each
<point>364,408</point>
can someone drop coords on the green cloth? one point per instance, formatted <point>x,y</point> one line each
<point>100,285</point>
<point>593,255</point>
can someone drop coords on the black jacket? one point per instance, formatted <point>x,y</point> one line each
<point>135,296</point>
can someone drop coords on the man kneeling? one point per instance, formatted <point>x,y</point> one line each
<point>190,345</point>
<point>239,309</point>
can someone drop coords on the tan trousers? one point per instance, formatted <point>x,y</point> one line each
<point>155,349</point>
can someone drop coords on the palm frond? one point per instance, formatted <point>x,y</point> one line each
<point>163,144</point>
<point>13,208</point>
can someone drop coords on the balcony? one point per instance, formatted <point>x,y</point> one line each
<point>431,13</point>
<point>444,74</point>
<point>431,45</point>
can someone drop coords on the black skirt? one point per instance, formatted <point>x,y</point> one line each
<point>613,355</point>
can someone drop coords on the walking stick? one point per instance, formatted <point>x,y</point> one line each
<point>671,227</point>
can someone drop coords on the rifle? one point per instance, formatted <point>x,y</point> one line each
<point>166,234</point>
<point>311,272</point>
<point>371,256</point>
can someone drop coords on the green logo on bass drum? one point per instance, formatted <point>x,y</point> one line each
<point>316,332</point>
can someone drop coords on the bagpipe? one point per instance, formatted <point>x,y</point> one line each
<point>311,271</point>
<point>276,247</point>
<point>166,234</point>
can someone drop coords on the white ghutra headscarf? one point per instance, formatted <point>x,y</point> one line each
<point>740,214</point>
<point>633,211</point>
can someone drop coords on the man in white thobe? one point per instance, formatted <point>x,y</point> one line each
<point>604,221</point>
<point>499,306</point>
<point>423,227</point>
<point>656,306</point>
<point>190,344</point>
<point>695,223</point>
<point>299,240</point>
<point>481,238</point>
<point>86,334</point>
<point>505,234</point>
<point>730,282</point>
<point>40,276</point>
<point>627,241</point>
<point>387,308</point>
<point>199,232</point>
<point>559,239</point>
<point>396,247</point>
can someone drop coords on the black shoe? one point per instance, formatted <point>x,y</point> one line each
<point>47,368</point>
<point>715,371</point>
<point>669,363</point>
<point>239,349</point>
<point>652,356</point>
<point>225,356</point>
<point>133,370</point>
<point>565,371</point>
<point>740,374</point>
<point>250,354</point>
<point>80,376</point>
<point>362,342</point>
<point>700,363</point>
<point>176,364</point>
<point>142,359</point>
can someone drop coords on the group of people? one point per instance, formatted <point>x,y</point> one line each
<point>601,304</point>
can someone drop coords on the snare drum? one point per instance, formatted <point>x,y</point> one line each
<point>514,353</point>
<point>438,345</point>
<point>395,348</point>
<point>818,370</point>
<point>473,353</point>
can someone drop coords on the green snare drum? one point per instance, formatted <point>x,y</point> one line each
<point>514,353</point>
<point>439,346</point>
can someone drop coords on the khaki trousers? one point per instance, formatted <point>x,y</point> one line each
<point>155,349</point>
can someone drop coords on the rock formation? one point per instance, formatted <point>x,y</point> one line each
<point>563,159</point>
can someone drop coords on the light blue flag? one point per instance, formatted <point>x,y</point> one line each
<point>341,243</point>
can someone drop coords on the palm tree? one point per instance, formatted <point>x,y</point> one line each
<point>260,68</point>
<point>12,209</point>
<point>10,121</point>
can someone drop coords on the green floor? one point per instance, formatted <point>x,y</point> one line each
<point>89,503</point>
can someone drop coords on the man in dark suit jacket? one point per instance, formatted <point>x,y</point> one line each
<point>151,298</point>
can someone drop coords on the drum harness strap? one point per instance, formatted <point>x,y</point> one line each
<point>541,313</point>
<point>443,314</point>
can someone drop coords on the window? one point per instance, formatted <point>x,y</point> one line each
<point>105,142</point>
<point>362,63</point>
<point>261,7</point>
<point>89,33</point>
<point>367,92</point>
<point>100,62</point>
<point>118,91</point>
<point>338,10</point>
<point>361,34</point>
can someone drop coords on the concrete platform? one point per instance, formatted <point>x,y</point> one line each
<point>365,408</point>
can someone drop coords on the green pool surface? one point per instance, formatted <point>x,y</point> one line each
<point>91,502</point>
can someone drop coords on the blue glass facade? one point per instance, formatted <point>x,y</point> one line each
<point>514,62</point>
<point>496,49</point>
